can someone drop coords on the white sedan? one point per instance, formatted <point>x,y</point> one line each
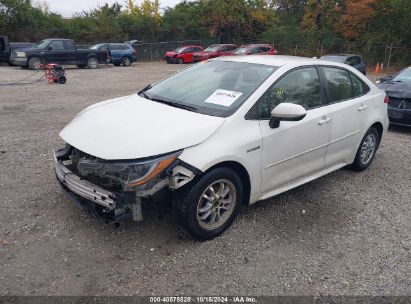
<point>222,133</point>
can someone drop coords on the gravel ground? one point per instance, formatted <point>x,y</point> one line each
<point>344,234</point>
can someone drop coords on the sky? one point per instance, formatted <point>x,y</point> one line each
<point>68,7</point>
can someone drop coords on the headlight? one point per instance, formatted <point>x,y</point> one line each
<point>21,54</point>
<point>129,173</point>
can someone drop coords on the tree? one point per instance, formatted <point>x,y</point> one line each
<point>355,17</point>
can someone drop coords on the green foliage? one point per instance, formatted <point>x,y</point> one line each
<point>292,25</point>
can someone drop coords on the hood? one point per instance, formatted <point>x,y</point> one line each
<point>396,89</point>
<point>171,54</point>
<point>30,49</point>
<point>133,127</point>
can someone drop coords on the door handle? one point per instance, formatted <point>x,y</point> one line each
<point>362,107</point>
<point>324,121</point>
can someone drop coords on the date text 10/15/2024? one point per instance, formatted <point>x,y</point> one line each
<point>200,299</point>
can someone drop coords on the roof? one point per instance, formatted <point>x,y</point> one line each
<point>274,60</point>
<point>340,55</point>
<point>255,44</point>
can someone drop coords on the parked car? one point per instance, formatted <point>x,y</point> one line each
<point>213,51</point>
<point>254,49</point>
<point>120,53</point>
<point>398,89</point>
<point>60,51</point>
<point>353,60</point>
<point>245,129</point>
<point>4,49</point>
<point>182,54</point>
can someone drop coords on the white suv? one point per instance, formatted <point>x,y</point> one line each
<point>219,134</point>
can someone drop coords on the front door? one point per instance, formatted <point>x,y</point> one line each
<point>61,51</point>
<point>296,148</point>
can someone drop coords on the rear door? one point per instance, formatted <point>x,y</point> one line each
<point>295,149</point>
<point>349,105</point>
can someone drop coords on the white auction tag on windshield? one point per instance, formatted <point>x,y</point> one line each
<point>223,97</point>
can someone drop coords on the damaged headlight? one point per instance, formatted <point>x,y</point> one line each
<point>129,173</point>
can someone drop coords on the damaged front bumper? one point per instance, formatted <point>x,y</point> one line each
<point>113,206</point>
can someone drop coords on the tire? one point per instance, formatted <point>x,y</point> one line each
<point>126,61</point>
<point>81,66</point>
<point>34,63</point>
<point>366,151</point>
<point>62,79</point>
<point>180,61</point>
<point>202,210</point>
<point>92,63</point>
<point>117,64</point>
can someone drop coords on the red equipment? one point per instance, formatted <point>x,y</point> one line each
<point>54,73</point>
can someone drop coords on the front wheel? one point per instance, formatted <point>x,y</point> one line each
<point>180,61</point>
<point>207,208</point>
<point>34,63</point>
<point>366,151</point>
<point>92,63</point>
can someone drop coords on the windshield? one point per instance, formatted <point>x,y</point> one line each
<point>42,44</point>
<point>212,48</point>
<point>179,50</point>
<point>216,88</point>
<point>241,50</point>
<point>403,76</point>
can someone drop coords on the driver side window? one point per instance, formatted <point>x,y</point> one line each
<point>300,86</point>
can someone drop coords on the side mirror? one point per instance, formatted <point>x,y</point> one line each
<point>49,48</point>
<point>286,112</point>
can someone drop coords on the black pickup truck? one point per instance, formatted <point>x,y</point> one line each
<point>4,49</point>
<point>61,51</point>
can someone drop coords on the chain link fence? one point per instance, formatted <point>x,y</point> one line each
<point>390,56</point>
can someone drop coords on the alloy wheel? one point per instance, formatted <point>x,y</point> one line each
<point>216,204</point>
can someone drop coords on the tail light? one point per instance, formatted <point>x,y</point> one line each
<point>386,99</point>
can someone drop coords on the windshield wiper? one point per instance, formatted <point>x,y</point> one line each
<point>175,104</point>
<point>141,93</point>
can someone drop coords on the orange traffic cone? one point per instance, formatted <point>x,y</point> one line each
<point>377,69</point>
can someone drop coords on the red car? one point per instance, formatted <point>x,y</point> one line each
<point>213,51</point>
<point>254,49</point>
<point>183,54</point>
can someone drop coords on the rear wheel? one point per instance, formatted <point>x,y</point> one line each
<point>366,151</point>
<point>92,63</point>
<point>126,61</point>
<point>207,208</point>
<point>34,63</point>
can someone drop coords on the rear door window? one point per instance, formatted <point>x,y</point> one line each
<point>57,45</point>
<point>359,87</point>
<point>339,85</point>
<point>115,47</point>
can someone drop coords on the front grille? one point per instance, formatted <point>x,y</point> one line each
<point>400,103</point>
